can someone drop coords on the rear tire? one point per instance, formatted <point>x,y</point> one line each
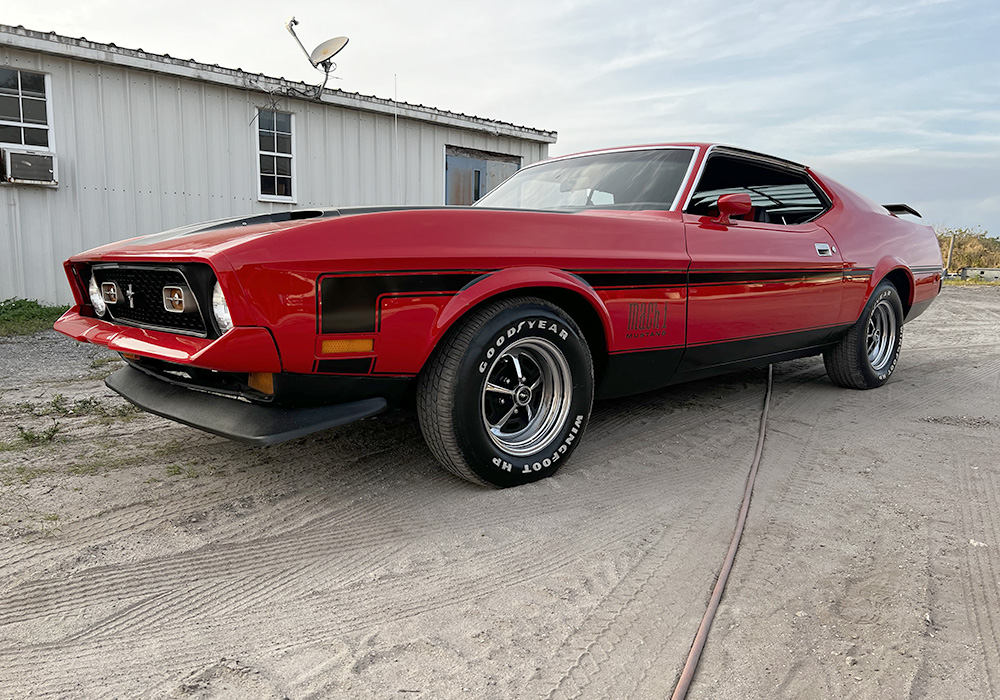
<point>866,357</point>
<point>507,394</point>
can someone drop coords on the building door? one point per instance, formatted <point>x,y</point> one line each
<point>470,174</point>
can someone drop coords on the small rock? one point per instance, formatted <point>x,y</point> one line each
<point>851,661</point>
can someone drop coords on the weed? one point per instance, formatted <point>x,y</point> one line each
<point>27,316</point>
<point>89,406</point>
<point>85,469</point>
<point>168,449</point>
<point>31,437</point>
<point>191,473</point>
<point>173,470</point>
<point>58,404</point>
<point>972,282</point>
<point>103,367</point>
<point>49,524</point>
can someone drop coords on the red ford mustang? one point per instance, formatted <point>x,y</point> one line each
<point>589,276</point>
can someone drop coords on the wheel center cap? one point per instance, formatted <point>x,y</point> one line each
<point>522,395</point>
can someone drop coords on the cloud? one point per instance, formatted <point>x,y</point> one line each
<point>901,98</point>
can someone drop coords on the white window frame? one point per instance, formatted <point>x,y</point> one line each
<point>49,125</point>
<point>261,197</point>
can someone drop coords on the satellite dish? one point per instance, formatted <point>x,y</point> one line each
<point>327,50</point>
<point>321,57</point>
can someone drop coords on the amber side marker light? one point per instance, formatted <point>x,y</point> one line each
<point>262,382</point>
<point>340,346</point>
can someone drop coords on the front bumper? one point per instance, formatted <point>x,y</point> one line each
<point>243,349</point>
<point>254,424</point>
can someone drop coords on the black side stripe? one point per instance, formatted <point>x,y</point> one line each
<point>629,280</point>
<point>714,277</point>
<point>348,303</point>
<point>674,278</point>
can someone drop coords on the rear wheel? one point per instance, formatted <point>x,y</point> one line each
<point>506,396</point>
<point>866,357</point>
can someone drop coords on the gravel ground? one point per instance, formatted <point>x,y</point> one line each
<point>140,558</point>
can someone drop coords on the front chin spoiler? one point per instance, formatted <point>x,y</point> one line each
<point>250,423</point>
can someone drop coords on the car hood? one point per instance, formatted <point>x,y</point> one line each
<point>217,236</point>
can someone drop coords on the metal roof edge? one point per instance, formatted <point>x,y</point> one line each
<point>83,49</point>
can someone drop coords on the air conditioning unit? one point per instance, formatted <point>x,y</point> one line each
<point>25,167</point>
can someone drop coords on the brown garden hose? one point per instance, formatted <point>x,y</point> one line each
<point>691,665</point>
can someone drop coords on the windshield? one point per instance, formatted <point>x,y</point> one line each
<point>647,179</point>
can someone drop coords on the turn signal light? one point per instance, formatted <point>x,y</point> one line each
<point>345,345</point>
<point>262,382</point>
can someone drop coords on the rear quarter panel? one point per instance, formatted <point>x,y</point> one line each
<point>874,243</point>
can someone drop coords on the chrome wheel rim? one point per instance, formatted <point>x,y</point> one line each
<point>526,396</point>
<point>880,340</point>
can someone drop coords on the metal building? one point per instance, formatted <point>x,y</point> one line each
<point>100,143</point>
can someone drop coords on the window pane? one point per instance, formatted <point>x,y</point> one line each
<point>284,144</point>
<point>266,184</point>
<point>33,84</point>
<point>283,122</point>
<point>10,134</point>
<point>34,110</point>
<point>267,165</point>
<point>36,137</point>
<point>284,166</point>
<point>267,141</point>
<point>267,119</point>
<point>10,109</point>
<point>8,81</point>
<point>284,186</point>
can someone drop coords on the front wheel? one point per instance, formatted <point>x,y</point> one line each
<point>506,397</point>
<point>866,357</point>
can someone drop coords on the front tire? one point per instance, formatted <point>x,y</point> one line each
<point>866,357</point>
<point>506,396</point>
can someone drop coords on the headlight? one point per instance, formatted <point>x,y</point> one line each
<point>96,298</point>
<point>221,310</point>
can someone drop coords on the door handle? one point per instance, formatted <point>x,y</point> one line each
<point>824,250</point>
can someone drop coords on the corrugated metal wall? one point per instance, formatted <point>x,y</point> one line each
<point>141,152</point>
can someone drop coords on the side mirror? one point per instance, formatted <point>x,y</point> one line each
<point>732,205</point>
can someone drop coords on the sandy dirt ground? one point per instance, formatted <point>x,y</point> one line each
<point>140,558</point>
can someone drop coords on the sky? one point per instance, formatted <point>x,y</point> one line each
<point>898,100</point>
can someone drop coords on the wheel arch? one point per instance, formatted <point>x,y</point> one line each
<point>896,271</point>
<point>561,288</point>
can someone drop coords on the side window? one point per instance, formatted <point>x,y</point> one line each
<point>24,109</point>
<point>778,196</point>
<point>276,153</point>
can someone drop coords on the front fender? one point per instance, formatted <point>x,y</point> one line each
<point>515,279</point>
<point>410,326</point>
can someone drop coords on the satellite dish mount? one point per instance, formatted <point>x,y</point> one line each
<point>321,57</point>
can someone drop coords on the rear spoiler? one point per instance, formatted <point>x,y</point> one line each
<point>897,209</point>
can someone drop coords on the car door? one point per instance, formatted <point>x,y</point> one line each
<point>769,286</point>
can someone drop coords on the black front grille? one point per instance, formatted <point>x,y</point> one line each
<point>140,298</point>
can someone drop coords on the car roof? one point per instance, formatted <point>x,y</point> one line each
<point>698,146</point>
